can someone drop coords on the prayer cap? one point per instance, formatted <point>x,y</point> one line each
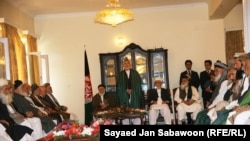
<point>237,54</point>
<point>158,79</point>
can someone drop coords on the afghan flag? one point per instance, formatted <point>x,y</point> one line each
<point>88,93</point>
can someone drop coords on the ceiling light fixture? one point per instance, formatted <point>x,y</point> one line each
<point>113,14</point>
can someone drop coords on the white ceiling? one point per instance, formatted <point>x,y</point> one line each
<point>40,7</point>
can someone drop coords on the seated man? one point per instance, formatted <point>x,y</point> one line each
<point>229,91</point>
<point>52,99</point>
<point>36,97</point>
<point>240,104</point>
<point>159,99</point>
<point>188,99</point>
<point>7,99</point>
<point>220,71</point>
<point>239,110</point>
<point>55,105</point>
<point>28,94</point>
<point>26,108</point>
<point>103,100</point>
<point>15,131</point>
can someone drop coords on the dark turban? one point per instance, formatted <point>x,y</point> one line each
<point>219,64</point>
<point>17,84</point>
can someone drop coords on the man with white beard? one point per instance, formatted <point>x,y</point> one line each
<point>33,123</point>
<point>15,131</point>
<point>188,99</point>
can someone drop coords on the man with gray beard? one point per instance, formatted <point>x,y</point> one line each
<point>220,70</point>
<point>225,93</point>
<point>224,87</point>
<point>33,123</point>
<point>26,108</point>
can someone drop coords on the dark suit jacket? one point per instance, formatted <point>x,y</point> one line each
<point>195,80</point>
<point>46,106</point>
<point>204,77</point>
<point>108,98</point>
<point>37,102</point>
<point>50,102</point>
<point>153,96</point>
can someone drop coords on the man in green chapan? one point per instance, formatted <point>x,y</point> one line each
<point>129,89</point>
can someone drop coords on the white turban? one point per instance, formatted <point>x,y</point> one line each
<point>3,82</point>
<point>237,54</point>
<point>158,79</point>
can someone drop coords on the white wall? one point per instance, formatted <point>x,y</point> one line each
<point>234,19</point>
<point>185,31</point>
<point>15,17</point>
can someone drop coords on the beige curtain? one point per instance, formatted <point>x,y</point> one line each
<point>234,43</point>
<point>33,60</point>
<point>17,53</point>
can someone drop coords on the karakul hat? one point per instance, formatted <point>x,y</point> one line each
<point>3,82</point>
<point>17,84</point>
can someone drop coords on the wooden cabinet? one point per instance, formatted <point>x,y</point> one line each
<point>159,66</point>
<point>149,63</point>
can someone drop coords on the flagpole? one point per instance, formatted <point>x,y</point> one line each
<point>88,94</point>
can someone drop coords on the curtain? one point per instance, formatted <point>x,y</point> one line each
<point>33,60</point>
<point>16,52</point>
<point>2,61</point>
<point>234,43</point>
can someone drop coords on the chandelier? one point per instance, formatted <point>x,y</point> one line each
<point>113,14</point>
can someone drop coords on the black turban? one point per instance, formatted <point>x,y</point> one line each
<point>17,84</point>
